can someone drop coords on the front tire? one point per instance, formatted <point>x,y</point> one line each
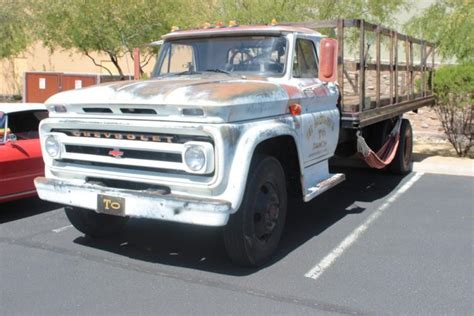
<point>253,232</point>
<point>93,224</point>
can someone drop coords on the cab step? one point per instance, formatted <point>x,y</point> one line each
<point>323,186</point>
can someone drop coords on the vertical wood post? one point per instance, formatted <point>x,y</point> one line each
<point>340,59</point>
<point>396,67</point>
<point>377,78</point>
<point>391,66</point>
<point>362,67</point>
<point>136,63</point>
<point>412,88</point>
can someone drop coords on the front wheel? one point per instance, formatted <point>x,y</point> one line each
<point>252,234</point>
<point>93,224</point>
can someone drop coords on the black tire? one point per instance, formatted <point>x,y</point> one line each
<point>402,163</point>
<point>93,224</point>
<point>253,232</point>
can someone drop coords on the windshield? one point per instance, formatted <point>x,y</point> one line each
<point>260,55</point>
<point>3,122</point>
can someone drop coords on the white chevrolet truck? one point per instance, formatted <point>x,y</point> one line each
<point>233,121</point>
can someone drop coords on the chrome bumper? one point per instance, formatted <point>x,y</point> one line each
<point>145,204</point>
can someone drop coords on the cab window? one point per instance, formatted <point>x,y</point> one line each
<point>305,64</point>
<point>182,59</point>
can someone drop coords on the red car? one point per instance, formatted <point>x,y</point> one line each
<point>20,151</point>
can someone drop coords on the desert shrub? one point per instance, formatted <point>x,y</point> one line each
<point>454,91</point>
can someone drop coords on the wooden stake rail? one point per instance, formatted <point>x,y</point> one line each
<point>406,85</point>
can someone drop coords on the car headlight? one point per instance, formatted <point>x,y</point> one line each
<point>195,158</point>
<point>52,146</point>
<point>198,157</point>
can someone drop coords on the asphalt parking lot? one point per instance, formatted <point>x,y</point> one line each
<point>377,243</point>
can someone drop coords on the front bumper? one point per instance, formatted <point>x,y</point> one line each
<point>145,204</point>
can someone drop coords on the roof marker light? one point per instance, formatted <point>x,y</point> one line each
<point>274,21</point>
<point>233,23</point>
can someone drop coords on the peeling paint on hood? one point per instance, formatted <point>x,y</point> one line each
<point>229,98</point>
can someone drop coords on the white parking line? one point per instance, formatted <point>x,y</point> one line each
<point>60,229</point>
<point>327,261</point>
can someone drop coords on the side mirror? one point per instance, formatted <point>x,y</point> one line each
<point>328,60</point>
<point>136,63</point>
<point>11,137</point>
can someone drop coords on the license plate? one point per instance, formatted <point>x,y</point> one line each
<point>110,205</point>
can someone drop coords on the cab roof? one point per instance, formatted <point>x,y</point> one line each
<point>239,30</point>
<point>20,107</point>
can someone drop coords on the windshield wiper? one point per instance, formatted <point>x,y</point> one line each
<point>182,73</point>
<point>219,71</point>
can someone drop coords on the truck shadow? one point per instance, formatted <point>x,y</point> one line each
<point>202,248</point>
<point>23,208</point>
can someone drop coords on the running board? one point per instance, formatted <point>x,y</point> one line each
<point>324,185</point>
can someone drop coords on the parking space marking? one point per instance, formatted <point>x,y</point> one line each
<point>327,261</point>
<point>60,229</point>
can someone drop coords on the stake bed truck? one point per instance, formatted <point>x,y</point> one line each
<point>233,121</point>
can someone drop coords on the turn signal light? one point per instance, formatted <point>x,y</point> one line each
<point>295,109</point>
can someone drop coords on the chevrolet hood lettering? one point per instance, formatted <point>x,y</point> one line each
<point>126,136</point>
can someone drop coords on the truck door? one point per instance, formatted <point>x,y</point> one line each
<point>320,116</point>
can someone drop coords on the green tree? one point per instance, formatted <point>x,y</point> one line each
<point>263,11</point>
<point>454,91</point>
<point>14,27</point>
<point>112,27</point>
<point>450,25</point>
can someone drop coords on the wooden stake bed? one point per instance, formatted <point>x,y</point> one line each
<point>387,75</point>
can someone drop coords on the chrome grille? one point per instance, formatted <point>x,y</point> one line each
<point>151,152</point>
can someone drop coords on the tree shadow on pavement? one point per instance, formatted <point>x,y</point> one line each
<point>202,248</point>
<point>23,208</point>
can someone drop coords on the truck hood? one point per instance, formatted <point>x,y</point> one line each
<point>222,98</point>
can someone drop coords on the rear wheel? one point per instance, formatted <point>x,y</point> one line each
<point>402,163</point>
<point>94,224</point>
<point>252,234</point>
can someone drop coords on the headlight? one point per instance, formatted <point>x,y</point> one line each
<point>52,146</point>
<point>198,157</point>
<point>195,158</point>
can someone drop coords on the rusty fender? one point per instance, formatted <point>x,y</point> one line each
<point>251,135</point>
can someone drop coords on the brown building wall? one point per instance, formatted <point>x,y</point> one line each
<point>39,58</point>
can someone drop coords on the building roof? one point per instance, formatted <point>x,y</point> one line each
<point>239,30</point>
<point>19,107</point>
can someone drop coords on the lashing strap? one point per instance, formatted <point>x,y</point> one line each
<point>384,155</point>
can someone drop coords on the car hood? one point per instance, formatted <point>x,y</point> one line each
<point>223,97</point>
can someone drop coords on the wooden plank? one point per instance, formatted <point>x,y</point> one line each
<point>391,66</point>
<point>377,57</point>
<point>396,67</point>
<point>340,57</point>
<point>423,65</point>
<point>411,87</point>
<point>362,67</point>
<point>355,66</point>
